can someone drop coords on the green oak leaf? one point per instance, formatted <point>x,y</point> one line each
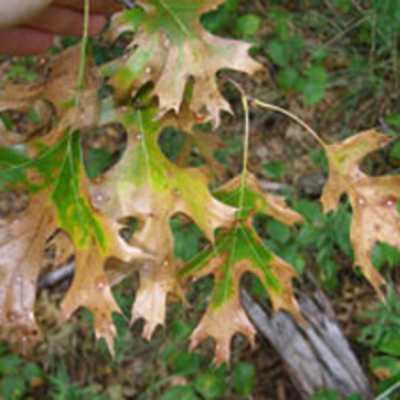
<point>237,251</point>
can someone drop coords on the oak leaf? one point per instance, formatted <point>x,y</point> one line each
<point>237,251</point>
<point>96,238</point>
<point>147,186</point>
<point>170,48</point>
<point>62,203</point>
<point>22,245</point>
<point>54,165</point>
<point>59,88</point>
<point>373,199</point>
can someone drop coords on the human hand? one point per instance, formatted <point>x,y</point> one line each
<point>28,27</point>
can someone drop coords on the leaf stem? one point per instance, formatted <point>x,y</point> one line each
<point>83,49</point>
<point>245,151</point>
<point>292,116</point>
<point>246,141</point>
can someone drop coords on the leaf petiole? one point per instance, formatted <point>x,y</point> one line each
<point>281,110</point>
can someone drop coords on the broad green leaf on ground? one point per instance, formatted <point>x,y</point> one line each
<point>237,251</point>
<point>147,186</point>
<point>170,48</point>
<point>373,199</point>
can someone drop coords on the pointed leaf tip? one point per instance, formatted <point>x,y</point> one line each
<point>222,324</point>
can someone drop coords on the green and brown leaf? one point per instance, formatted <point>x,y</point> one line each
<point>170,48</point>
<point>237,251</point>
<point>145,185</point>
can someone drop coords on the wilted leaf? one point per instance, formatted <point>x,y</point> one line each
<point>171,47</point>
<point>373,199</point>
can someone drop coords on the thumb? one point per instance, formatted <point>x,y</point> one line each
<point>15,11</point>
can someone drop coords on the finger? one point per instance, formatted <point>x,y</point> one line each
<point>66,22</point>
<point>15,11</point>
<point>96,6</point>
<point>23,41</point>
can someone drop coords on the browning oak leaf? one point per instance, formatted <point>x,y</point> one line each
<point>19,96</point>
<point>57,167</point>
<point>61,248</point>
<point>127,21</point>
<point>147,186</point>
<point>59,89</point>
<point>344,160</point>
<point>171,47</point>
<point>96,238</point>
<point>157,282</point>
<point>22,245</point>
<point>90,287</point>
<point>373,199</point>
<point>237,251</point>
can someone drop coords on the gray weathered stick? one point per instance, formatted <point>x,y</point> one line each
<point>316,353</point>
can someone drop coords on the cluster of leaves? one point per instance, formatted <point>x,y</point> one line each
<point>331,395</point>
<point>381,334</point>
<point>301,67</point>
<point>174,60</point>
<point>17,377</point>
<point>21,379</point>
<point>352,49</point>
